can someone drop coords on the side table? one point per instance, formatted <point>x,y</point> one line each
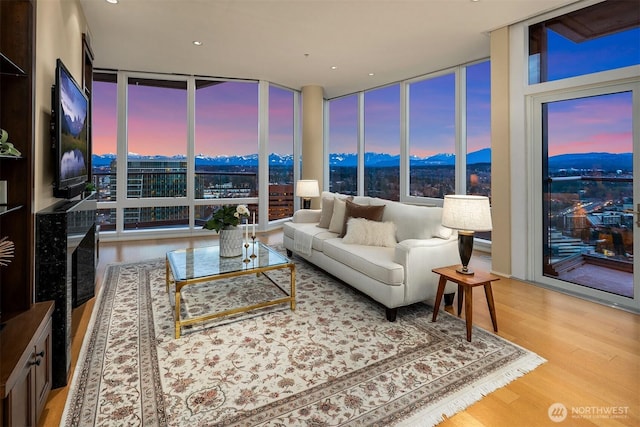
<point>466,283</point>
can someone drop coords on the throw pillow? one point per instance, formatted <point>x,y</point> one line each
<point>337,219</point>
<point>327,212</point>
<point>354,210</point>
<point>361,231</point>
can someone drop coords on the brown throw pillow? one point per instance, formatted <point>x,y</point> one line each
<point>354,210</point>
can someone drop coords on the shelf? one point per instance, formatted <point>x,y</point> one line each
<point>9,68</point>
<point>2,156</point>
<point>5,209</point>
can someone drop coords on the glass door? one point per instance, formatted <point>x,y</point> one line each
<point>588,193</point>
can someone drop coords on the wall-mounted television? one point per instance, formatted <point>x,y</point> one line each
<point>70,140</point>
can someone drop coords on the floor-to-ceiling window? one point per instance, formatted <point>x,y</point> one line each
<point>156,153</point>
<point>584,95</point>
<point>382,142</point>
<point>478,128</point>
<point>343,145</point>
<point>432,136</point>
<point>225,144</point>
<point>281,148</point>
<point>104,104</point>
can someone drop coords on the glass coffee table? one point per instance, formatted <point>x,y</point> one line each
<point>188,267</point>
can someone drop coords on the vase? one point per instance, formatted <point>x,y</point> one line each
<point>230,242</point>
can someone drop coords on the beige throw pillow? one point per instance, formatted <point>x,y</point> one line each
<point>361,231</point>
<point>327,212</point>
<point>337,219</point>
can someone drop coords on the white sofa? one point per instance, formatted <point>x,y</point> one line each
<point>395,275</point>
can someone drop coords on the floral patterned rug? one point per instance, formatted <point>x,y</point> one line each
<point>334,361</point>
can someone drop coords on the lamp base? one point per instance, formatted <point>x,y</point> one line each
<point>465,270</point>
<point>465,247</point>
<point>306,203</point>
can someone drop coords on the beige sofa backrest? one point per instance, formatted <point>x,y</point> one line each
<point>414,222</point>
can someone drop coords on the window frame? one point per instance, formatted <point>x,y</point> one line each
<point>525,186</point>
<point>120,232</point>
<point>459,72</point>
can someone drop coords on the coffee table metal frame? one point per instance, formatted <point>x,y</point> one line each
<point>189,274</point>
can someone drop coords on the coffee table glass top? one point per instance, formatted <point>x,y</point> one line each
<point>193,263</point>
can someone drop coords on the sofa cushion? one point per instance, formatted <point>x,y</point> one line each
<point>361,231</point>
<point>319,234</point>
<point>374,261</point>
<point>354,210</point>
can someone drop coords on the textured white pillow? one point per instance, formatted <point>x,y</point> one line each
<point>361,231</point>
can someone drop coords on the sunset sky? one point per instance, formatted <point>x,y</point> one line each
<point>226,114</point>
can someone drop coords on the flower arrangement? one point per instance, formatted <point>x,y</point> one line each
<point>226,216</point>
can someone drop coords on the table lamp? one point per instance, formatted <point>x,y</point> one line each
<point>467,214</point>
<point>307,188</point>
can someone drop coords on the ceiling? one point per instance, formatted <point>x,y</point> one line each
<point>295,43</point>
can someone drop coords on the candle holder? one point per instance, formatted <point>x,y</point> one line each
<point>246,260</point>
<point>253,246</point>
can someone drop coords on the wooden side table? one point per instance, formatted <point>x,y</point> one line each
<point>466,283</point>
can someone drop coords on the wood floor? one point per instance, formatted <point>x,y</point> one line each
<point>593,351</point>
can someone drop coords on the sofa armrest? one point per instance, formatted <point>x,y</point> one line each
<point>307,215</point>
<point>420,256</point>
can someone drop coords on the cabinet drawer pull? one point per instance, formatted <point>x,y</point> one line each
<point>41,354</point>
<point>36,362</point>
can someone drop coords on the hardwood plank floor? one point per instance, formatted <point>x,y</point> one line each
<point>593,351</point>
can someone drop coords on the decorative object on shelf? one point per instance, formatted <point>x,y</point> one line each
<point>307,188</point>
<point>6,251</point>
<point>7,148</point>
<point>89,189</point>
<point>467,214</point>
<point>225,220</point>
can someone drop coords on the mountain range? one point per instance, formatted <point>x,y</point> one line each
<point>605,161</point>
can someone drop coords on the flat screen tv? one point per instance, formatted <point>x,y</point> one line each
<point>69,135</point>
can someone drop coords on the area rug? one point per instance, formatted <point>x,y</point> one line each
<point>335,360</point>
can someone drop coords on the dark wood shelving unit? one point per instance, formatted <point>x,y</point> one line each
<point>17,117</point>
<point>5,209</point>
<point>26,337</point>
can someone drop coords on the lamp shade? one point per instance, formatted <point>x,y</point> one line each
<point>307,188</point>
<point>469,213</point>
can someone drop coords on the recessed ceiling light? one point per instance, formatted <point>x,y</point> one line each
<point>372,74</point>
<point>112,1</point>
<point>197,42</point>
<point>333,67</point>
